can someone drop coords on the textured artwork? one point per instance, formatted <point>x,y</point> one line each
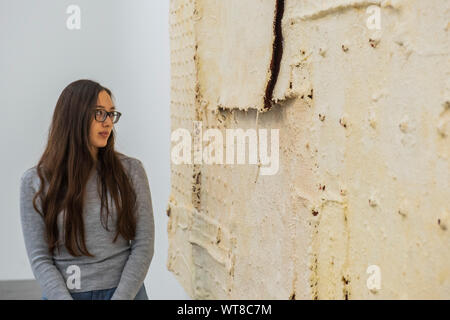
<point>360,93</point>
<point>224,36</point>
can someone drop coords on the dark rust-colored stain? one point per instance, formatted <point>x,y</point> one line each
<point>196,187</point>
<point>314,276</point>
<point>292,297</point>
<point>373,43</point>
<point>219,236</point>
<point>277,53</point>
<point>346,290</point>
<point>168,211</point>
<point>311,94</point>
<point>315,212</point>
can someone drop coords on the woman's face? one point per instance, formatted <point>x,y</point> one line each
<point>100,131</point>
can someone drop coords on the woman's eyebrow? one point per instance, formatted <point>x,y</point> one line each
<point>112,108</point>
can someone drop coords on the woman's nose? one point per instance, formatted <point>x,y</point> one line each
<point>108,121</point>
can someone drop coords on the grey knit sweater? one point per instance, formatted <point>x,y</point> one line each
<point>123,264</point>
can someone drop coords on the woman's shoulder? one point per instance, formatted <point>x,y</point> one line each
<point>129,162</point>
<point>30,177</point>
<point>127,159</point>
<point>135,169</point>
<point>29,174</point>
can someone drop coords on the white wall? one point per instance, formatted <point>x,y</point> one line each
<point>123,45</point>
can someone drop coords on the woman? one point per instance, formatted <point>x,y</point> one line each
<point>86,210</point>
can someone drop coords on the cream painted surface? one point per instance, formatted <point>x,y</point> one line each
<point>364,155</point>
<point>224,36</point>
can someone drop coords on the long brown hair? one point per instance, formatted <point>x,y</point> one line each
<point>66,165</point>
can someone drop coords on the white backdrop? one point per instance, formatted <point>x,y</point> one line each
<point>121,44</point>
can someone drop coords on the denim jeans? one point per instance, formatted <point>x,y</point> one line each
<point>104,294</point>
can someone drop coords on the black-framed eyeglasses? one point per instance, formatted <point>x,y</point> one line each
<point>100,115</point>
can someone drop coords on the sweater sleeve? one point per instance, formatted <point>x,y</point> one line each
<point>48,276</point>
<point>142,247</point>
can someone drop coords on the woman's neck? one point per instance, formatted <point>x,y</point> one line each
<point>94,152</point>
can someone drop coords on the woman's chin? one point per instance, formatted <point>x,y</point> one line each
<point>101,144</point>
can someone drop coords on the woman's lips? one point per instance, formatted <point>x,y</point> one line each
<point>104,134</point>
